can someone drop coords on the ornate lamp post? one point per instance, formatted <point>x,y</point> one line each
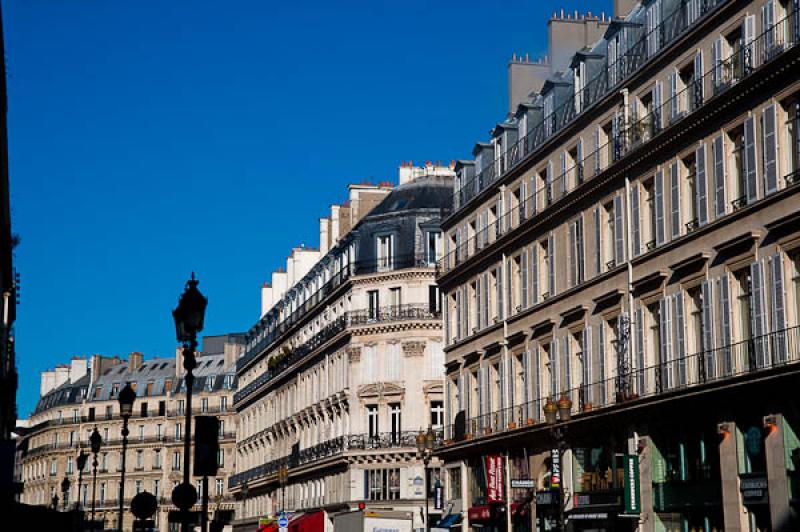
<point>65,491</point>
<point>425,444</point>
<point>126,398</point>
<point>82,457</point>
<point>96,441</point>
<point>553,413</point>
<point>189,316</point>
<point>283,479</point>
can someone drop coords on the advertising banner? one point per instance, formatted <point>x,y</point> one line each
<point>495,480</point>
<point>632,505</point>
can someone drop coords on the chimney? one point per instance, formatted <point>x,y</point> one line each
<point>179,371</point>
<point>623,7</point>
<point>323,236</point>
<point>135,360</point>
<point>233,350</point>
<point>77,368</point>
<point>48,379</point>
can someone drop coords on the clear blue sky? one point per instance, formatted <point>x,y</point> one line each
<point>151,138</point>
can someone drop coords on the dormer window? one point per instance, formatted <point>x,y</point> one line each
<point>549,116</point>
<point>385,251</point>
<point>578,84</point>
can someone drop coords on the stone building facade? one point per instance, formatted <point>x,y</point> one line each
<point>627,243</point>
<point>78,397</point>
<point>344,371</point>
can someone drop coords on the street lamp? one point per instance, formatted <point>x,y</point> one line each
<point>65,491</point>
<point>82,457</point>
<point>189,316</point>
<point>96,441</point>
<point>553,413</point>
<point>283,479</point>
<point>425,444</point>
<point>126,398</point>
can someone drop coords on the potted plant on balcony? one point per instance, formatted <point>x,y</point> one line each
<point>512,425</point>
<point>586,407</point>
<point>530,421</point>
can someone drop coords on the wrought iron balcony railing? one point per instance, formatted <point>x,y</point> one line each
<point>748,357</point>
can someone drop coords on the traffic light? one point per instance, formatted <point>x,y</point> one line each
<point>206,446</point>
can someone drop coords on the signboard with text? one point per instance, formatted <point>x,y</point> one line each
<point>632,504</point>
<point>495,481</point>
<point>555,476</point>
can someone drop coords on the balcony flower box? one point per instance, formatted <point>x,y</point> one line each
<point>587,407</point>
<point>512,425</point>
<point>468,436</point>
<point>530,421</point>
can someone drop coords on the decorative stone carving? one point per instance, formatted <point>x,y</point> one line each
<point>413,348</point>
<point>354,353</point>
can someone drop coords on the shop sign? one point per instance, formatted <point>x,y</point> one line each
<point>438,497</point>
<point>632,504</point>
<point>545,498</point>
<point>523,483</point>
<point>754,490</point>
<point>589,517</point>
<point>495,481</point>
<point>555,476</point>
<point>480,513</point>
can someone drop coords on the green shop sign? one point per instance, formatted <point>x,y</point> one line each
<point>632,504</point>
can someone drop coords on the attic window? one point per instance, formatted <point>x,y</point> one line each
<point>221,362</point>
<point>164,365</point>
<point>143,367</point>
<point>122,370</point>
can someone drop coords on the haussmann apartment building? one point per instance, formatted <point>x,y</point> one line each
<point>624,255</point>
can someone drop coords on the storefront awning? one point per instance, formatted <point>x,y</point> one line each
<point>310,522</point>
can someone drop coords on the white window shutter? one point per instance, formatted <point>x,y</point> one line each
<point>573,262</point>
<point>779,331</point>
<point>698,89</point>
<point>701,185</point>
<point>674,107</point>
<point>635,222</point>
<point>769,122</point>
<point>598,250</point>
<point>565,342</point>
<point>658,96</point>
<point>720,197</point>
<point>725,324</point>
<point>641,363</point>
<point>619,231</point>
<point>535,273</point>
<point>658,185</point>
<point>523,275</point>
<point>551,273</point>
<point>749,161</point>
<point>707,322</point>
<point>587,365</point>
<point>675,200</point>
<point>758,317</point>
<point>679,347</point>
<point>600,393</point>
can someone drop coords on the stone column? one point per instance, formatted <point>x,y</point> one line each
<point>733,511</point>
<point>780,514</point>
<point>647,517</point>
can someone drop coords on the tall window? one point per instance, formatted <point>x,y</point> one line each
<point>373,304</point>
<point>204,404</point>
<point>178,431</point>
<point>102,493</point>
<point>434,247</point>
<point>396,421</point>
<point>157,459</point>
<point>385,252</point>
<point>383,484</point>
<point>437,414</point>
<point>140,459</point>
<point>141,432</point>
<point>395,298</point>
<point>69,465</point>
<point>219,486</point>
<point>372,420</point>
<point>157,488</point>
<point>176,461</point>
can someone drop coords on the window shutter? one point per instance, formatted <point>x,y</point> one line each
<point>716,60</point>
<point>770,151</point>
<point>537,376</point>
<point>725,324</point>
<point>551,273</point>
<point>478,304</point>
<point>487,389</point>
<point>635,222</point>
<point>619,231</point>
<point>768,20</point>
<point>679,347</point>
<point>523,200</point>
<point>674,108</point>
<point>748,35</point>
<point>758,317</point>
<point>597,150</point>
<point>535,273</point>
<point>600,396</point>
<point>658,91</point>
<point>675,200</point>
<point>580,250</point>
<point>460,393</point>
<point>665,343</point>
<point>598,250</point>
<point>573,263</point>
<point>561,186</point>
<point>659,206</point>
<point>499,297</point>
<point>750,174</point>
<point>707,322</point>
<point>486,301</point>
<point>503,395</point>
<point>534,196</point>
<point>579,160</point>
<point>509,289</point>
<point>701,185</point>
<point>778,309</point>
<point>526,377</point>
<point>640,360</point>
<point>587,364</point>
<point>481,395</point>
<point>719,177</point>
<point>698,89</point>
<point>523,275</point>
<point>465,299</point>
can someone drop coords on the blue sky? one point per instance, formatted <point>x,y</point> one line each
<point>150,138</point>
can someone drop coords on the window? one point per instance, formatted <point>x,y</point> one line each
<point>454,482</point>
<point>437,414</point>
<point>210,382</point>
<point>138,487</point>
<point>372,420</point>
<point>223,406</point>
<point>144,410</point>
<point>204,405</point>
<point>109,412</point>
<point>157,488</point>
<point>176,461</point>
<point>178,428</point>
<point>434,299</point>
<point>114,390</point>
<point>69,465</point>
<point>434,247</point>
<point>181,407</point>
<point>395,298</point>
<point>222,425</point>
<point>396,421</point>
<point>158,431</point>
<point>219,486</point>
<point>576,267</point>
<point>91,414</point>
<point>103,462</point>
<point>162,408</point>
<point>373,303</point>
<point>141,432</point>
<point>140,459</point>
<point>382,484</point>
<point>156,459</point>
<point>385,252</point>
<point>148,390</point>
<point>71,438</point>
<point>102,493</point>
<point>167,386</point>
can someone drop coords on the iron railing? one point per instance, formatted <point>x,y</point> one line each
<point>414,311</point>
<point>267,332</point>
<point>747,357</point>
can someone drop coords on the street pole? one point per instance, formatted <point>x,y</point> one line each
<point>204,514</point>
<point>94,486</point>
<point>122,478</point>
<point>425,463</point>
<point>189,363</point>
